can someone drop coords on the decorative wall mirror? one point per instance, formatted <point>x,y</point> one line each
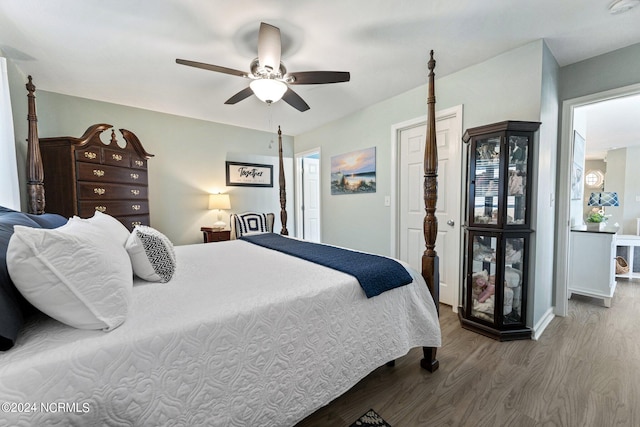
<point>594,179</point>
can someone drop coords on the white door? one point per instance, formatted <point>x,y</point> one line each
<point>311,199</point>
<point>448,212</point>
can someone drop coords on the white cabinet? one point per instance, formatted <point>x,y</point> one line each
<point>592,264</point>
<point>631,242</point>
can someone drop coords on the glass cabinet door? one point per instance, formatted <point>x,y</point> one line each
<point>517,179</point>
<point>514,255</point>
<point>482,277</point>
<point>486,177</point>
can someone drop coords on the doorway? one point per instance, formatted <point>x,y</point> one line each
<point>564,185</point>
<point>408,242</point>
<point>307,203</point>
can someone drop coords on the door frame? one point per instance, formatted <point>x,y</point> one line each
<point>563,214</point>
<point>299,214</point>
<point>396,129</point>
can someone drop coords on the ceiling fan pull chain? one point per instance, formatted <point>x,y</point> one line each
<point>270,124</point>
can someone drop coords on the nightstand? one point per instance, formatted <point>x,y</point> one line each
<point>215,234</point>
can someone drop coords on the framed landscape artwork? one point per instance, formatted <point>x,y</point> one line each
<point>354,172</point>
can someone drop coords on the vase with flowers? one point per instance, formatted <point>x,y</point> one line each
<point>596,220</point>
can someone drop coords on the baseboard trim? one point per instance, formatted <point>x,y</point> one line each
<point>542,324</point>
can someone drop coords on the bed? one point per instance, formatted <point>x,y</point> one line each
<point>219,343</point>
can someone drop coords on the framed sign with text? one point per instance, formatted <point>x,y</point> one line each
<point>249,174</point>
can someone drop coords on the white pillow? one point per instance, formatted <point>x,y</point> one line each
<point>151,253</point>
<point>80,280</point>
<point>109,226</point>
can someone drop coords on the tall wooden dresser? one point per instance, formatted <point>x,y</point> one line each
<point>84,175</point>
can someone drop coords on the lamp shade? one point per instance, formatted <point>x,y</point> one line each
<point>219,201</point>
<point>268,90</point>
<point>604,199</point>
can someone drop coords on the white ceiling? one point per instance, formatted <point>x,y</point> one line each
<point>124,51</point>
<point>611,124</point>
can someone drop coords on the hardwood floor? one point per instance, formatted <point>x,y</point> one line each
<point>584,371</point>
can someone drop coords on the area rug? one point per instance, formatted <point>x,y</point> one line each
<point>370,419</point>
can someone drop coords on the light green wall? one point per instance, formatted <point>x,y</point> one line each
<point>18,93</point>
<point>622,176</point>
<point>189,160</point>
<point>544,192</point>
<point>495,90</point>
<point>615,180</point>
<point>631,202</point>
<point>611,70</point>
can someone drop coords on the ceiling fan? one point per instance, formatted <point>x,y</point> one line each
<point>269,78</point>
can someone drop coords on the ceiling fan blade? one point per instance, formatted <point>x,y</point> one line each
<point>244,93</point>
<point>269,46</point>
<point>293,99</point>
<point>318,77</point>
<point>211,67</point>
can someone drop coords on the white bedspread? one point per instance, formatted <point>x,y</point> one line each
<point>241,336</point>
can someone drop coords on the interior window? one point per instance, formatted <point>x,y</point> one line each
<point>594,179</point>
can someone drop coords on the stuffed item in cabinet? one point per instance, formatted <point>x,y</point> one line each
<point>518,152</point>
<point>482,295</point>
<point>482,252</point>
<point>487,151</point>
<point>517,299</point>
<point>516,183</point>
<point>508,300</point>
<point>512,252</point>
<point>512,277</point>
<point>482,285</point>
<point>488,291</point>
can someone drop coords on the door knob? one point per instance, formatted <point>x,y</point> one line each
<point>451,222</point>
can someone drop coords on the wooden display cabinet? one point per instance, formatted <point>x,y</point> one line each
<point>497,229</point>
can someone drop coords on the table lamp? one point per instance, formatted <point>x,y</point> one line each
<point>219,201</point>
<point>604,198</point>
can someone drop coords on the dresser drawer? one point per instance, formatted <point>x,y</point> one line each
<point>104,173</point>
<point>130,221</point>
<point>86,208</point>
<point>116,158</point>
<point>109,191</point>
<point>91,154</point>
<point>138,163</point>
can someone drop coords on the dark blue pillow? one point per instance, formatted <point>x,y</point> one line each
<point>13,306</point>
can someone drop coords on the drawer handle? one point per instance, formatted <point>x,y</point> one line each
<point>136,223</point>
<point>135,176</point>
<point>98,172</point>
<point>135,207</point>
<point>99,191</point>
<point>90,155</point>
<point>116,157</point>
<point>101,209</point>
<point>139,163</point>
<point>135,192</point>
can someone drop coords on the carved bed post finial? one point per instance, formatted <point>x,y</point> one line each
<point>35,171</point>
<point>430,267</point>
<point>283,190</point>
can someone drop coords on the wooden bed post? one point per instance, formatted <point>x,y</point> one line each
<point>35,171</point>
<point>283,190</point>
<point>430,266</point>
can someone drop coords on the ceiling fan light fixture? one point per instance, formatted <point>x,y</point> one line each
<point>621,6</point>
<point>268,90</point>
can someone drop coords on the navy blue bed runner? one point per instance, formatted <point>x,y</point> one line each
<point>375,273</point>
